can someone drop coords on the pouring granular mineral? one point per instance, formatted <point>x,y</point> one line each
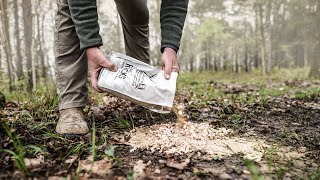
<point>139,82</point>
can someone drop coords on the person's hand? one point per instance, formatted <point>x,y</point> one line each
<point>169,62</point>
<point>96,61</point>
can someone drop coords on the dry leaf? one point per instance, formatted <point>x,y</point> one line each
<point>177,165</point>
<point>213,171</point>
<point>108,100</point>
<point>71,159</point>
<point>139,170</point>
<point>33,163</point>
<point>100,168</point>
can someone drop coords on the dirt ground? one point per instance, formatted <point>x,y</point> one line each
<point>280,119</point>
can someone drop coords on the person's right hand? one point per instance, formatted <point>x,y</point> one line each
<point>96,61</point>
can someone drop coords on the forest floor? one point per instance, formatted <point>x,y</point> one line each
<point>239,126</point>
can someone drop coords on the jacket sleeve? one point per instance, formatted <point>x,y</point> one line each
<point>172,17</point>
<point>85,18</point>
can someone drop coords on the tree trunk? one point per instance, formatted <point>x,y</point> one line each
<point>18,40</point>
<point>305,50</point>
<point>40,50</point>
<point>263,41</point>
<point>256,39</point>
<point>191,61</point>
<point>246,66</point>
<point>315,66</point>
<point>237,61</point>
<point>27,23</point>
<point>7,43</point>
<point>0,58</point>
<point>268,43</point>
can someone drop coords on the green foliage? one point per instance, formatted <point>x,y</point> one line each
<point>236,119</point>
<point>270,155</point>
<point>309,93</point>
<point>121,122</point>
<point>212,29</point>
<point>273,92</point>
<point>315,175</point>
<point>110,152</point>
<point>18,153</point>
<point>255,174</point>
<point>35,149</point>
<point>75,148</point>
<point>130,175</point>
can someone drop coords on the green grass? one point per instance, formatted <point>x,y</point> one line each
<point>18,152</point>
<point>307,93</point>
<point>38,114</point>
<point>185,78</point>
<point>121,122</point>
<point>254,170</point>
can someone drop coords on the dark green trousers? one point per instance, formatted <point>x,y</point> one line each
<point>71,64</point>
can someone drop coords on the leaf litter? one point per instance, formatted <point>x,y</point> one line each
<point>100,168</point>
<point>292,137</point>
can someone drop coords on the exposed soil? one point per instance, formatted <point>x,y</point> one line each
<point>287,129</point>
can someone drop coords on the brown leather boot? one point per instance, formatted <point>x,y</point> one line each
<point>71,122</point>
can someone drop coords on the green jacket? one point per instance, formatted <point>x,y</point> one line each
<point>172,16</point>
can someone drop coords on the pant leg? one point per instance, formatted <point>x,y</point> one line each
<point>70,62</point>
<point>134,16</point>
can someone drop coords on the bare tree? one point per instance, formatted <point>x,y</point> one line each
<point>7,42</point>
<point>263,38</point>
<point>27,23</point>
<point>315,66</point>
<point>40,52</point>
<point>18,40</point>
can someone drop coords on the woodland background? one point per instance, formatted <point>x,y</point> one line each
<point>220,35</point>
<point>249,85</point>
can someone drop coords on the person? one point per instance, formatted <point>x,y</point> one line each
<point>77,42</point>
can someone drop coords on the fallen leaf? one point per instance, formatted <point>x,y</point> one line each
<point>302,149</point>
<point>100,168</point>
<point>109,151</point>
<point>157,171</point>
<point>56,178</point>
<point>71,159</point>
<point>34,163</point>
<point>98,113</point>
<point>213,171</point>
<point>108,100</point>
<point>177,165</point>
<point>298,163</point>
<point>225,176</point>
<point>138,170</point>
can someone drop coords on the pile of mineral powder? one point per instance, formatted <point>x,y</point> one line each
<point>175,138</point>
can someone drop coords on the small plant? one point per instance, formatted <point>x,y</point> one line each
<point>18,153</point>
<point>255,174</point>
<point>236,119</point>
<point>77,149</point>
<point>306,94</point>
<point>109,152</point>
<point>35,149</point>
<point>122,123</point>
<point>130,175</point>
<point>315,175</point>
<point>94,147</point>
<point>269,154</point>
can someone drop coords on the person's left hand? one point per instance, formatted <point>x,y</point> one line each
<point>169,62</point>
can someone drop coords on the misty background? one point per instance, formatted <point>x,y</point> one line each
<point>221,35</point>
